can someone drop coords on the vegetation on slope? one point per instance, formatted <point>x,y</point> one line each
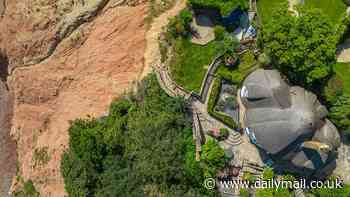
<point>156,8</point>
<point>28,190</point>
<point>224,6</point>
<point>143,147</point>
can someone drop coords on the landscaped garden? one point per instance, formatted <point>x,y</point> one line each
<point>212,105</point>
<point>222,102</point>
<point>247,64</point>
<point>189,61</point>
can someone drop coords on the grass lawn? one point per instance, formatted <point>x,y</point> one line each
<point>332,8</point>
<point>237,74</point>
<point>190,63</point>
<point>266,7</point>
<point>342,71</point>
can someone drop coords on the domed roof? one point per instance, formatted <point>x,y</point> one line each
<point>267,89</point>
<point>279,116</point>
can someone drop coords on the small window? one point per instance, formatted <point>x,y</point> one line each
<point>255,99</point>
<point>244,92</point>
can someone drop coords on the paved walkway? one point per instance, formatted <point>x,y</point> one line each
<point>237,145</point>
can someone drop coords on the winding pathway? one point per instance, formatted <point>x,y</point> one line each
<point>242,149</point>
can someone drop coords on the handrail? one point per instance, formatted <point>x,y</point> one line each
<point>210,72</point>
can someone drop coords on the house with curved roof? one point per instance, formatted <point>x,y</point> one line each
<point>288,123</point>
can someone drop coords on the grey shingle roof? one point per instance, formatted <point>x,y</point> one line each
<point>280,116</point>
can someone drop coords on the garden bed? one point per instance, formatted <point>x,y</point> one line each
<point>227,102</point>
<point>236,75</point>
<point>213,99</point>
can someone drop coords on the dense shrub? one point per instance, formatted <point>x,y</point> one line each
<point>228,44</point>
<point>144,146</point>
<point>224,6</point>
<point>264,60</point>
<point>220,32</point>
<point>212,158</point>
<point>28,190</point>
<point>237,74</point>
<point>334,88</point>
<point>340,112</point>
<point>180,24</point>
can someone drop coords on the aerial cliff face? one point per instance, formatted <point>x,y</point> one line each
<point>66,59</point>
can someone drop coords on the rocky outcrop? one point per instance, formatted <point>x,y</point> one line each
<point>81,14</point>
<point>63,65</point>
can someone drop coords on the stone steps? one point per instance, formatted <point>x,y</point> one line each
<point>253,169</point>
<point>234,139</point>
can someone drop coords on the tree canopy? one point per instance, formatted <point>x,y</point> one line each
<point>143,147</point>
<point>301,47</point>
<point>340,112</point>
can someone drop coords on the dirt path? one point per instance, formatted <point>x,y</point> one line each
<point>152,53</point>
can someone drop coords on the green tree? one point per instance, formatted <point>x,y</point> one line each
<point>301,47</point>
<point>212,158</point>
<point>143,146</point>
<point>180,25</point>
